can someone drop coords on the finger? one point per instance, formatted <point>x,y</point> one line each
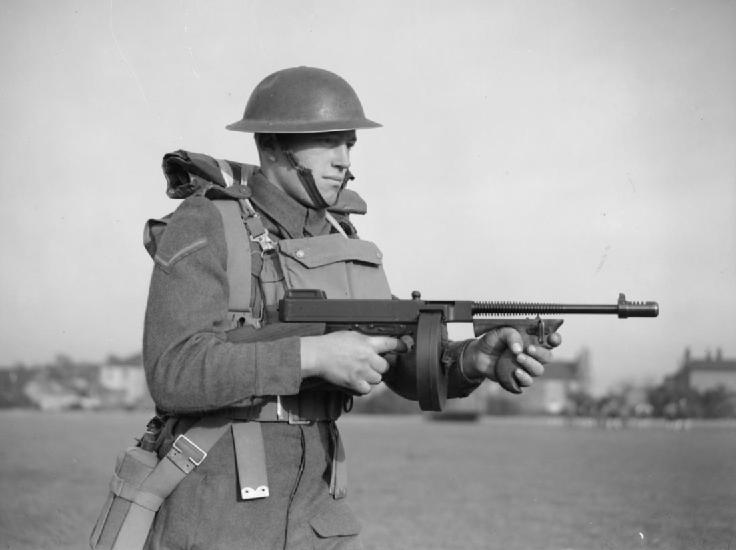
<point>504,373</point>
<point>372,377</point>
<point>530,365</point>
<point>512,339</point>
<point>543,355</point>
<point>383,344</point>
<point>495,341</point>
<point>378,364</point>
<point>408,342</point>
<point>554,339</point>
<point>523,378</point>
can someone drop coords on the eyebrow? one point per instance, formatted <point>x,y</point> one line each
<point>348,135</point>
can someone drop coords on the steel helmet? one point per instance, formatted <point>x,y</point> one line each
<point>302,100</point>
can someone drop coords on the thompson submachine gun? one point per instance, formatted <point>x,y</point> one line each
<point>423,321</point>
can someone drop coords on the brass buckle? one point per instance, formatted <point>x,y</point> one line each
<point>290,417</point>
<point>189,449</point>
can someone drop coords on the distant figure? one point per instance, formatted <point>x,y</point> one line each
<point>676,415</point>
<point>612,413</point>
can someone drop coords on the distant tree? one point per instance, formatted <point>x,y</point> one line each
<point>718,403</point>
<point>581,403</point>
<point>12,384</point>
<point>669,398</point>
<point>668,394</point>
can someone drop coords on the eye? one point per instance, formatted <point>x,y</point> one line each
<point>328,141</point>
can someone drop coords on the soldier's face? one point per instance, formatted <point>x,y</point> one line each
<point>326,154</point>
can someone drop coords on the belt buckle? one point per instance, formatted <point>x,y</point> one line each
<point>290,417</point>
<point>189,449</point>
<point>186,454</point>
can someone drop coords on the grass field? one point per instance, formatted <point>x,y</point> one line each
<point>500,483</point>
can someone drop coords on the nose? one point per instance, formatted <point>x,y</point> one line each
<point>341,157</point>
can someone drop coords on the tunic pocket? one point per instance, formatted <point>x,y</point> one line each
<point>335,527</point>
<point>343,268</point>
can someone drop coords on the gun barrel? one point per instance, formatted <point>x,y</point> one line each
<point>623,308</point>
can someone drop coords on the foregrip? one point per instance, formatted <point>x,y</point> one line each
<point>533,332</point>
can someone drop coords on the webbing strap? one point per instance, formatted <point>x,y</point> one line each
<point>227,171</point>
<point>133,493</point>
<point>335,224</point>
<point>238,255</point>
<point>339,473</point>
<point>250,457</point>
<point>182,459</point>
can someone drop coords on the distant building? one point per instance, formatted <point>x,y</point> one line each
<point>53,395</point>
<point>124,381</point>
<point>550,393</point>
<point>707,373</point>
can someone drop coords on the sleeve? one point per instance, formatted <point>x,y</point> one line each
<point>190,365</point>
<point>402,376</point>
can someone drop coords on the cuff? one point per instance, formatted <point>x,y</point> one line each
<point>278,367</point>
<point>459,384</point>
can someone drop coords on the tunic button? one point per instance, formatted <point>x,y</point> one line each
<point>379,255</point>
<point>299,253</point>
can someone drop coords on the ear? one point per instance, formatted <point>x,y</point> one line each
<point>266,143</point>
<point>267,146</point>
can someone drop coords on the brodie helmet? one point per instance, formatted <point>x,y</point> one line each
<point>303,100</point>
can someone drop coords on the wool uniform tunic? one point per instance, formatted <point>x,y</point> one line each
<point>192,370</point>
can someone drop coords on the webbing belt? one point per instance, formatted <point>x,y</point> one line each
<point>295,409</point>
<point>302,409</point>
<point>190,448</point>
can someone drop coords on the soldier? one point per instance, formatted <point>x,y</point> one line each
<point>281,395</point>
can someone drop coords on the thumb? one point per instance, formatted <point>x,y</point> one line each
<point>496,341</point>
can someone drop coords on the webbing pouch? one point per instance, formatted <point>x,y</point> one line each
<point>126,517</point>
<point>141,482</point>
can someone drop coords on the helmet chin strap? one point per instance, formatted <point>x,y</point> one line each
<point>348,177</point>
<point>307,179</point>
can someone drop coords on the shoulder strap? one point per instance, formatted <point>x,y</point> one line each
<point>242,225</point>
<point>238,256</point>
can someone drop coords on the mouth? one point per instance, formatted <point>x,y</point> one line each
<point>337,179</point>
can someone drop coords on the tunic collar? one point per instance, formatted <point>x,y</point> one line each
<point>291,219</point>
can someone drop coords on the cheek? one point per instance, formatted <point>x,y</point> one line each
<point>312,160</point>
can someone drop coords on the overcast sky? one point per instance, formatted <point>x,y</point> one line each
<point>538,150</point>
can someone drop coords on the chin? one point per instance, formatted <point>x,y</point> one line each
<point>331,197</point>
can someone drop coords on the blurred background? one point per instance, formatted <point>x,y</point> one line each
<point>548,151</point>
